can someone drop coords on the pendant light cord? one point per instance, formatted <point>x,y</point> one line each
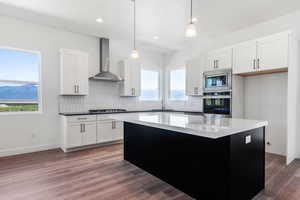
<point>191,11</point>
<point>134,24</point>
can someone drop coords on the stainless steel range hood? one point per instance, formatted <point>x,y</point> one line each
<point>105,74</point>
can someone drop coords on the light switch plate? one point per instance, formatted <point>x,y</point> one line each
<point>248,139</point>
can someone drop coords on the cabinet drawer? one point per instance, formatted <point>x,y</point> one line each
<point>103,118</point>
<point>81,118</point>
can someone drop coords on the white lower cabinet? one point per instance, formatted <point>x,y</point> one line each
<point>81,134</point>
<point>89,134</point>
<point>117,131</point>
<point>74,136</point>
<point>79,131</point>
<point>109,131</point>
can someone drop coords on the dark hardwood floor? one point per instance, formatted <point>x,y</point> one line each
<point>101,174</point>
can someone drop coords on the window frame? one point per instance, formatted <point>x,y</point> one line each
<point>169,85</point>
<point>39,82</point>
<point>159,83</point>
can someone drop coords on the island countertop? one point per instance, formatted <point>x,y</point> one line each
<point>200,125</point>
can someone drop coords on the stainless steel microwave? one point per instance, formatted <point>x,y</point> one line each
<point>217,81</point>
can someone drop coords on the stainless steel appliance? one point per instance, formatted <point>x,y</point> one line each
<point>104,73</point>
<point>218,80</point>
<point>217,103</point>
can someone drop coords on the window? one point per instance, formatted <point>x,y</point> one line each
<point>19,81</point>
<point>149,85</point>
<point>177,85</point>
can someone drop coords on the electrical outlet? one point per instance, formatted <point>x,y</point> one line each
<point>248,139</point>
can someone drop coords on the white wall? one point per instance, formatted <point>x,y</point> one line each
<point>30,132</point>
<point>266,99</point>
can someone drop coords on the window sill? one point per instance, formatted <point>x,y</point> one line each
<point>177,100</point>
<point>21,113</point>
<point>154,101</point>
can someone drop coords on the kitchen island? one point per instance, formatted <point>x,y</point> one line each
<point>205,157</point>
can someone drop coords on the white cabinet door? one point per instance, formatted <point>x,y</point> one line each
<point>74,135</point>
<point>104,131</point>
<point>89,134</point>
<point>219,59</point>
<point>68,73</point>
<point>194,78</point>
<point>82,80</point>
<point>272,52</point>
<point>74,72</point>
<point>117,130</point>
<point>136,79</point>
<point>244,57</point>
<point>131,73</point>
<point>210,62</point>
<point>223,59</point>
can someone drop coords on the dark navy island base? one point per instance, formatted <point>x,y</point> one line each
<point>207,169</point>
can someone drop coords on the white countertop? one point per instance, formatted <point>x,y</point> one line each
<point>205,126</point>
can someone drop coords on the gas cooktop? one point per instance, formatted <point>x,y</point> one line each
<point>107,110</point>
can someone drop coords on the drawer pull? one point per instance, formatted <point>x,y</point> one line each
<point>82,118</point>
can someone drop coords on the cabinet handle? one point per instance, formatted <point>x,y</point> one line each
<point>214,64</point>
<point>258,63</point>
<point>75,89</point>
<point>132,91</point>
<point>254,63</point>
<point>81,128</point>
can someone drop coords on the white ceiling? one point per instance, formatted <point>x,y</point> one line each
<point>164,18</point>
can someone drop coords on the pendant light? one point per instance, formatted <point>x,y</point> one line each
<point>134,52</point>
<point>191,30</point>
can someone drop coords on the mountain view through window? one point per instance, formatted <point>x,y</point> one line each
<point>19,80</point>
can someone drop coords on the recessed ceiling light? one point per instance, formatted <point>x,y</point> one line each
<point>100,20</point>
<point>155,37</point>
<point>194,19</point>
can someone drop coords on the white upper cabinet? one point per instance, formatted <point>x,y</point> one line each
<point>262,55</point>
<point>272,52</point>
<point>219,59</point>
<point>194,78</point>
<point>73,72</point>
<point>131,73</point>
<point>244,57</point>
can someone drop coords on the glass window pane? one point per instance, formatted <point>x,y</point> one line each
<point>19,76</point>
<point>149,85</point>
<point>177,84</point>
<point>19,65</point>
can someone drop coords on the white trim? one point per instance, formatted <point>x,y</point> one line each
<point>29,149</point>
<point>40,89</point>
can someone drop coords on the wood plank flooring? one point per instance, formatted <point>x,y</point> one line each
<point>101,174</point>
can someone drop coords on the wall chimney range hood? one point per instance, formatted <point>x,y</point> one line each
<point>105,74</point>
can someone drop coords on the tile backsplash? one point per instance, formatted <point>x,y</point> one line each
<point>104,95</point>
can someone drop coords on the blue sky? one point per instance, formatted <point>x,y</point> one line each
<point>18,65</point>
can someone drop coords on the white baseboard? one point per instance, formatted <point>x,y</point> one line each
<point>22,150</point>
